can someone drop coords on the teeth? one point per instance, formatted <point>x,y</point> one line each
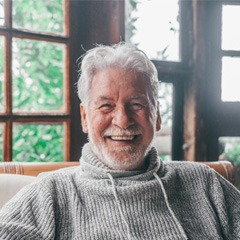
<point>122,138</point>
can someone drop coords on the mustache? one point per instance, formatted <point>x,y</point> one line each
<point>116,131</point>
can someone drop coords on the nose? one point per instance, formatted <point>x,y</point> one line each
<point>122,118</point>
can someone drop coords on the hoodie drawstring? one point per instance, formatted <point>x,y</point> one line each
<point>119,206</point>
<point>165,198</point>
<point>168,205</point>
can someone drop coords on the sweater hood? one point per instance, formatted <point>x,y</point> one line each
<point>94,168</point>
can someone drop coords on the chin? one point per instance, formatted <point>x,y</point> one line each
<point>128,164</point>
<point>126,159</point>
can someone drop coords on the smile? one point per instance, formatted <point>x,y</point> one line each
<point>122,138</point>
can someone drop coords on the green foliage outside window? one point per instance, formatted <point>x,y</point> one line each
<point>38,15</point>
<point>37,75</point>
<point>1,73</point>
<point>229,148</point>
<point>37,143</point>
<point>1,144</point>
<point>37,81</point>
<point>233,154</point>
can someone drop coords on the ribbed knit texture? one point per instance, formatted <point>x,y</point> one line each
<point>173,201</point>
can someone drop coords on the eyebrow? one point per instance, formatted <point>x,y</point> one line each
<point>102,98</point>
<point>142,96</point>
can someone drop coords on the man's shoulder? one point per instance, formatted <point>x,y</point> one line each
<point>188,175</point>
<point>186,164</point>
<point>187,167</point>
<point>62,174</point>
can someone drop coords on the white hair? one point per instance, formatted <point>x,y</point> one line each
<point>124,56</point>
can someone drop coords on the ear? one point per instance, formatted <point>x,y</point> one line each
<point>159,120</point>
<point>83,118</point>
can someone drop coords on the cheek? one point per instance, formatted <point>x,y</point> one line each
<point>146,119</point>
<point>148,122</point>
<point>98,124</point>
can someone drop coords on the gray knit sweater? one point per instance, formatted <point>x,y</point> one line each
<point>173,200</point>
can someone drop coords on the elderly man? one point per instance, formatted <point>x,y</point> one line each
<point>122,190</point>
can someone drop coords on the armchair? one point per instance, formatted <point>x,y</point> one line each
<point>15,175</point>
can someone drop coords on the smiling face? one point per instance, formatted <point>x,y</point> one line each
<point>120,119</point>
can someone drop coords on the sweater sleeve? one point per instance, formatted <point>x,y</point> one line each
<point>28,215</point>
<point>226,201</point>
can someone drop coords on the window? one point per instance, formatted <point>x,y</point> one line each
<point>163,140</point>
<point>222,102</point>
<point>231,54</point>
<point>230,83</point>
<point>1,142</point>
<point>229,149</point>
<point>34,80</point>
<point>156,28</point>
<point>230,79</point>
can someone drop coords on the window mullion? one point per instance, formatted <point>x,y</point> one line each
<point>7,141</point>
<point>8,13</point>
<point>7,132</point>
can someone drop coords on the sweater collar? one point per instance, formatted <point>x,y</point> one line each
<point>94,168</point>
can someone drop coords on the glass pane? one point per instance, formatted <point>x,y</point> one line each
<point>38,15</point>
<point>230,31</point>
<point>230,79</point>
<point>154,26</point>
<point>1,74</point>
<point>1,142</point>
<point>2,12</point>
<point>163,140</point>
<point>37,70</point>
<point>38,143</point>
<point>229,149</point>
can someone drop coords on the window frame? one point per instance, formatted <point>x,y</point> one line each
<point>177,73</point>
<point>8,117</point>
<point>103,22</point>
<point>222,118</point>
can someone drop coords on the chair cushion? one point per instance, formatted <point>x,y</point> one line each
<point>10,184</point>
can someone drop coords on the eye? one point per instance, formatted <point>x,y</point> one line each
<point>106,107</point>
<point>136,106</point>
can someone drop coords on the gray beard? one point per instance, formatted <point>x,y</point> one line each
<point>134,159</point>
